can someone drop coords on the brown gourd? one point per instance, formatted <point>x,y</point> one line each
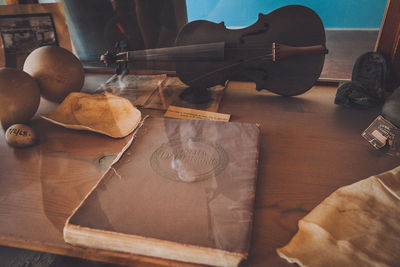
<point>19,97</point>
<point>57,71</point>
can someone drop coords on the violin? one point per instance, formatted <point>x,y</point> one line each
<point>283,52</point>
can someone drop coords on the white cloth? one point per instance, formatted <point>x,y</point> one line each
<point>357,225</point>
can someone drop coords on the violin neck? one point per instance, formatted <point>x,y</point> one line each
<point>198,52</point>
<point>208,52</point>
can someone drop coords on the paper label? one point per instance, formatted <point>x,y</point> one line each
<point>379,136</point>
<point>379,132</point>
<point>194,114</point>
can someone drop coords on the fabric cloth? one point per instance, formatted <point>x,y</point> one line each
<point>357,225</point>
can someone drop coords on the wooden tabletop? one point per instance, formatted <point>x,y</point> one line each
<point>309,148</point>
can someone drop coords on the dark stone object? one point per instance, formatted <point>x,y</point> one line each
<point>391,108</point>
<point>353,95</point>
<point>368,83</point>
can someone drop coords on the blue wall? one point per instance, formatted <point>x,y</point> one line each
<point>334,13</point>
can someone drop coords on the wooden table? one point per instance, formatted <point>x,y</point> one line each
<point>309,148</point>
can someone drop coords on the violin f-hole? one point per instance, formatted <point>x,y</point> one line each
<point>260,31</point>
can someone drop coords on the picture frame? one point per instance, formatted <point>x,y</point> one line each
<point>388,42</point>
<point>24,28</point>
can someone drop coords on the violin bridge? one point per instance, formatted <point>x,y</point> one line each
<point>274,51</point>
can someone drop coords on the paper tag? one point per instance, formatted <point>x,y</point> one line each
<point>379,132</point>
<point>194,114</point>
<point>379,136</point>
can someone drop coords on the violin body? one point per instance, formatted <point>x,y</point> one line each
<point>290,25</point>
<point>282,52</point>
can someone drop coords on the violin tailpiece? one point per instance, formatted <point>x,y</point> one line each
<point>281,51</point>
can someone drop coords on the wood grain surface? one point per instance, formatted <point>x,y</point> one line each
<point>309,148</point>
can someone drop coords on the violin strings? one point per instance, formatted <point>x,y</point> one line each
<point>263,57</point>
<point>249,48</point>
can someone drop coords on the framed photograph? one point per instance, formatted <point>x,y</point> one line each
<point>24,28</point>
<point>388,43</point>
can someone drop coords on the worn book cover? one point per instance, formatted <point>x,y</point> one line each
<point>184,190</point>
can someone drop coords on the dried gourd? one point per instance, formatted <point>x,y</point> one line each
<point>103,113</point>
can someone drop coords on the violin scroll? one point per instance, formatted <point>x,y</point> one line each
<point>121,59</point>
<point>107,59</point>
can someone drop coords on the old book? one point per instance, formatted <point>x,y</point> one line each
<point>184,190</point>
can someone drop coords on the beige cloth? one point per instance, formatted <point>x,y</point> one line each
<point>103,113</point>
<point>357,225</point>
